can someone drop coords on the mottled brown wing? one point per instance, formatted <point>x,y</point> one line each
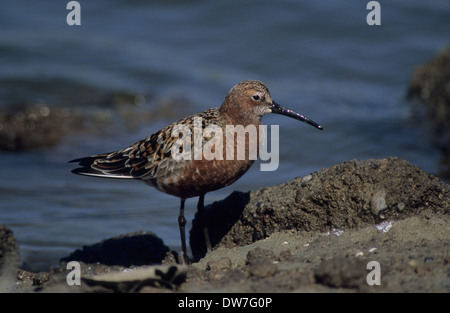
<point>147,159</point>
<point>151,158</point>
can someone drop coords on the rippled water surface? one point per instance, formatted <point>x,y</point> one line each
<point>319,58</point>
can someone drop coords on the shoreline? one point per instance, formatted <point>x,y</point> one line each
<point>312,234</point>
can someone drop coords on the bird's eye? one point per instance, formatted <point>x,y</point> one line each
<point>256,97</point>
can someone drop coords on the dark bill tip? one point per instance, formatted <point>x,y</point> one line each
<point>278,109</point>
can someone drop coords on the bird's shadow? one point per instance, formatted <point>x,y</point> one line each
<point>220,217</point>
<point>144,248</point>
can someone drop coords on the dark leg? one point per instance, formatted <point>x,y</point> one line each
<point>201,211</point>
<point>181,224</point>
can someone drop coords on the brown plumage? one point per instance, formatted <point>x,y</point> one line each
<point>151,159</point>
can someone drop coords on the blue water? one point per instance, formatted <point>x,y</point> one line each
<point>319,58</point>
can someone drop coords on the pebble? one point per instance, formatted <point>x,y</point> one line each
<point>263,269</point>
<point>220,265</point>
<point>378,203</point>
<point>285,256</point>
<point>400,206</point>
<point>306,179</point>
<point>259,254</point>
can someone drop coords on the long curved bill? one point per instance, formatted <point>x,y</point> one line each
<point>278,109</point>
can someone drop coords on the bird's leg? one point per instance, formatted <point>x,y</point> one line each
<point>201,211</point>
<point>181,224</point>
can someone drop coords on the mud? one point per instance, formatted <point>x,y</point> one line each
<point>318,233</point>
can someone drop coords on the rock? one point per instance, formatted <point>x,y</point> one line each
<point>32,279</point>
<point>261,263</point>
<point>220,265</point>
<point>341,273</point>
<point>140,248</point>
<point>31,126</point>
<point>9,260</point>
<point>430,84</point>
<point>378,203</point>
<point>82,109</point>
<point>285,256</point>
<point>259,254</point>
<point>263,269</point>
<point>345,196</point>
<point>9,250</point>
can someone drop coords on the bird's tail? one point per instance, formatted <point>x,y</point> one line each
<point>108,165</point>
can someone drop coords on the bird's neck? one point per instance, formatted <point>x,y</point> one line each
<point>239,117</point>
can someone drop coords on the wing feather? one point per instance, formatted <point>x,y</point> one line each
<point>147,159</point>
